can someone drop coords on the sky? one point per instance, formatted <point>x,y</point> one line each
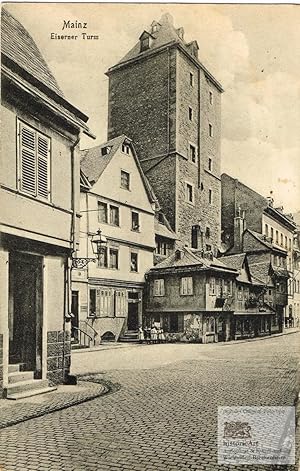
<point>253,50</point>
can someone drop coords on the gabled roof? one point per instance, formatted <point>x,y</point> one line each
<point>239,262</point>
<point>166,34</point>
<point>235,261</point>
<point>19,46</point>
<point>163,231</point>
<point>192,259</point>
<point>25,72</point>
<point>264,241</point>
<point>259,269</point>
<point>93,162</point>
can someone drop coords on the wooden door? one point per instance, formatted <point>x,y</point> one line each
<point>26,295</point>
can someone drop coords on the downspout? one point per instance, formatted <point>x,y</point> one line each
<point>68,274</point>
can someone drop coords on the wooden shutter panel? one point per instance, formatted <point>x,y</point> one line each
<point>42,166</point>
<point>27,160</point>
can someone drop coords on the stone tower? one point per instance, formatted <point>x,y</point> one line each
<point>163,98</point>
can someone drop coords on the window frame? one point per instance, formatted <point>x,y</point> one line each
<point>186,185</point>
<point>195,149</point>
<point>188,289</point>
<point>117,251</point>
<point>138,227</point>
<point>132,252</point>
<point>114,207</point>
<point>100,202</point>
<point>128,180</point>
<point>159,287</point>
<point>20,123</point>
<point>192,79</point>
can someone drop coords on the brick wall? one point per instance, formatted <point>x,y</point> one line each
<point>163,180</point>
<point>138,104</point>
<point>1,365</point>
<point>58,351</point>
<point>149,101</point>
<point>237,195</point>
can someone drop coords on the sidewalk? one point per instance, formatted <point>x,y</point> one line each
<point>14,412</point>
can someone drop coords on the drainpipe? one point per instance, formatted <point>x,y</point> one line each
<point>68,279</point>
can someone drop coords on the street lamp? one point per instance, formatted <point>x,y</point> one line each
<point>99,243</point>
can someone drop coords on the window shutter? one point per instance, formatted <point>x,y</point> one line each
<point>27,157</point>
<point>43,166</point>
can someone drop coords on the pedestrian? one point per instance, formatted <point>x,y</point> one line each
<point>147,335</point>
<point>161,336</point>
<point>141,334</point>
<point>154,334</point>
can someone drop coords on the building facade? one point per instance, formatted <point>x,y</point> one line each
<point>190,296</point>
<point>117,198</point>
<point>254,301</point>
<point>243,208</point>
<point>39,216</point>
<point>175,123</point>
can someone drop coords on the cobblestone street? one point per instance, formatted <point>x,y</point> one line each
<point>164,416</point>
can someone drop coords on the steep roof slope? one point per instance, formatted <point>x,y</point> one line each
<point>19,46</point>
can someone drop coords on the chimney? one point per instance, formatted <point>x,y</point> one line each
<point>239,227</point>
<point>178,254</point>
<point>166,18</point>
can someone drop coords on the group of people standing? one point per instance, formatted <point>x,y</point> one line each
<point>151,334</point>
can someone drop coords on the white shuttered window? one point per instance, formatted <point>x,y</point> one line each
<point>186,286</point>
<point>34,162</point>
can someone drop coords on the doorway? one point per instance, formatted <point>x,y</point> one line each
<point>133,316</point>
<point>26,311</point>
<point>75,318</point>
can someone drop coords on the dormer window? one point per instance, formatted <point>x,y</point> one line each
<point>105,150</point>
<point>145,41</point>
<point>126,148</point>
<point>154,27</point>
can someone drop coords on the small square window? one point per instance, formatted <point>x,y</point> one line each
<point>191,79</point>
<point>193,153</point>
<point>189,193</point>
<point>135,224</point>
<point>211,98</point>
<point>125,180</point>
<point>191,114</point>
<point>114,258</point>
<point>134,262</point>
<point>210,196</point>
<point>210,130</point>
<point>208,248</point>
<point>210,165</point>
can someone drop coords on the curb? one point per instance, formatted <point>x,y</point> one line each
<point>106,388</point>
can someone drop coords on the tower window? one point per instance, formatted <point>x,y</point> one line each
<point>211,98</point>
<point>191,79</point>
<point>210,130</point>
<point>192,153</point>
<point>210,165</point>
<point>191,114</point>
<point>189,193</point>
<point>210,196</point>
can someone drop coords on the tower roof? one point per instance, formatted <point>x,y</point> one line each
<point>162,33</point>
